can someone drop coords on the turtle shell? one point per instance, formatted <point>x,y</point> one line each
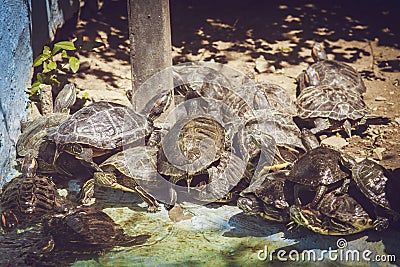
<point>31,197</point>
<point>274,112</point>
<point>372,181</point>
<point>103,125</point>
<point>191,146</point>
<point>332,102</point>
<point>319,166</point>
<point>136,162</point>
<point>332,73</point>
<point>270,188</point>
<point>87,229</point>
<point>34,134</point>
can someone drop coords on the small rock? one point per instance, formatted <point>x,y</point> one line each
<point>262,65</point>
<point>380,98</point>
<point>335,142</point>
<point>63,192</point>
<point>391,92</point>
<point>397,120</point>
<point>176,214</point>
<point>377,152</point>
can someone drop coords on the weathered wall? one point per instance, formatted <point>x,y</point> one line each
<point>25,26</point>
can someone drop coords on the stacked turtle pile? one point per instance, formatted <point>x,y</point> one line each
<point>229,140</point>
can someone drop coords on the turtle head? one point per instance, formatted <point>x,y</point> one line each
<point>104,178</point>
<point>347,161</point>
<point>308,139</point>
<point>160,105</point>
<point>250,204</point>
<point>318,52</point>
<point>65,99</point>
<point>76,150</point>
<point>29,166</point>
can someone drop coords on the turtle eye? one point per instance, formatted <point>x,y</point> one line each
<point>76,149</point>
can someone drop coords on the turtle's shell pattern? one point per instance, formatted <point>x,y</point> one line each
<point>331,102</point>
<point>191,146</point>
<point>29,198</point>
<point>319,166</point>
<point>103,125</point>
<point>33,136</point>
<point>372,182</point>
<point>274,112</point>
<point>270,188</point>
<point>86,229</point>
<point>136,162</point>
<point>334,73</point>
<point>342,207</point>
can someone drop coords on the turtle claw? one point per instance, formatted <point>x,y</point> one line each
<point>153,208</point>
<point>380,224</point>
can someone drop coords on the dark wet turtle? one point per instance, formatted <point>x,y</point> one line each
<point>319,170</point>
<point>330,72</point>
<point>190,147</point>
<point>32,140</point>
<point>98,129</point>
<point>329,107</point>
<point>375,183</point>
<point>336,214</point>
<point>26,198</point>
<point>268,196</point>
<point>87,230</point>
<point>129,170</point>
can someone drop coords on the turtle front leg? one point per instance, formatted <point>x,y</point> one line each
<point>321,190</point>
<point>87,192</point>
<point>380,223</point>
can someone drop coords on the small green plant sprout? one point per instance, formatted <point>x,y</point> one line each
<point>52,66</point>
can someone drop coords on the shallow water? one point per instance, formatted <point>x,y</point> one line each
<point>224,236</point>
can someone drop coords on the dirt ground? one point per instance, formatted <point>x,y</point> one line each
<point>266,39</point>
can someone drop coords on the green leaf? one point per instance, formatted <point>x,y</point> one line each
<point>64,45</point>
<point>52,65</point>
<point>64,54</point>
<point>85,95</point>
<point>45,67</point>
<point>39,60</point>
<point>46,51</point>
<point>34,88</point>
<point>56,49</point>
<point>74,64</point>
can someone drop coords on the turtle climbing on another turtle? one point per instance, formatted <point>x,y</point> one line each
<point>327,108</point>
<point>330,72</point>
<point>320,169</point>
<point>98,129</point>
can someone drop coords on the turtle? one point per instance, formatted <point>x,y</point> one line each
<point>336,214</point>
<point>274,111</point>
<point>329,108</point>
<point>377,186</point>
<point>26,198</point>
<point>225,180</point>
<point>129,170</point>
<point>267,196</point>
<point>330,72</point>
<point>87,230</point>
<point>319,169</point>
<point>190,147</point>
<point>99,129</point>
<point>32,139</point>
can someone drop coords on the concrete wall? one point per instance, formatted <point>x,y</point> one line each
<point>25,26</point>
